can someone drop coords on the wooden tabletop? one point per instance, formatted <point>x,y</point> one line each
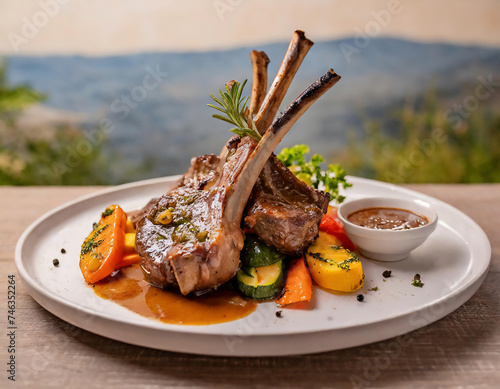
<point>461,350</point>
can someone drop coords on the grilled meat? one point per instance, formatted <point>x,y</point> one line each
<point>284,211</point>
<point>191,238</point>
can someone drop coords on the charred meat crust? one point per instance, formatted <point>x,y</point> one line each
<point>197,247</point>
<point>284,211</point>
<point>194,231</point>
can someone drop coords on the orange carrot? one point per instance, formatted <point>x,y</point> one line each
<point>128,260</point>
<point>103,249</point>
<point>298,284</point>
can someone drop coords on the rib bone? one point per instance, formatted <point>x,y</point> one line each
<point>297,50</point>
<point>259,81</point>
<point>272,137</point>
<point>199,248</point>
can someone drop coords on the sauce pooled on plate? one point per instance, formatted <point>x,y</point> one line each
<point>129,289</point>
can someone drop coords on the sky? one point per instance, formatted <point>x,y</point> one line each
<point>111,27</point>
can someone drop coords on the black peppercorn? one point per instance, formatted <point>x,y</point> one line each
<point>360,297</point>
<point>278,313</point>
<point>63,251</point>
<point>387,273</point>
<point>55,262</point>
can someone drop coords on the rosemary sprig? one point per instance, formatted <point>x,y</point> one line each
<point>233,106</point>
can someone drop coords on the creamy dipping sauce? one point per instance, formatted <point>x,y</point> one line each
<point>380,218</point>
<point>129,289</point>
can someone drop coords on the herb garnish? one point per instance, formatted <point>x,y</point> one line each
<point>416,281</point>
<point>160,236</point>
<point>344,265</point>
<point>107,212</point>
<point>311,173</point>
<point>92,243</point>
<point>234,106</point>
<point>375,289</point>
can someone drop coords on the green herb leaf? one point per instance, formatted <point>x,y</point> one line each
<point>417,283</point>
<point>310,172</point>
<point>93,243</point>
<point>107,212</point>
<point>233,105</point>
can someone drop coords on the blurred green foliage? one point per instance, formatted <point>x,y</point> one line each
<point>52,156</point>
<point>14,99</point>
<point>424,145</point>
<point>417,145</point>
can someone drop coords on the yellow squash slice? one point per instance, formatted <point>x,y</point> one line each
<point>333,266</point>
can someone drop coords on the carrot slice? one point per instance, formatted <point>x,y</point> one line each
<point>103,249</point>
<point>128,260</point>
<point>298,284</point>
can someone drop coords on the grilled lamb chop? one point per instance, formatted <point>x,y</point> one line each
<point>284,211</point>
<point>191,238</point>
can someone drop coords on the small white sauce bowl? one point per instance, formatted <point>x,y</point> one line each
<point>387,245</point>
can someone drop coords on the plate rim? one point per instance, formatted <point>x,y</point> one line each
<point>188,329</point>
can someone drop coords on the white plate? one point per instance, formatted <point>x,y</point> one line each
<point>453,263</point>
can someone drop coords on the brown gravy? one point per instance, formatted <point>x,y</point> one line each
<point>129,289</point>
<point>380,218</point>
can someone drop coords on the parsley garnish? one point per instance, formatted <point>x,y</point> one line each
<point>311,173</point>
<point>92,243</point>
<point>160,236</point>
<point>344,265</point>
<point>107,212</point>
<point>417,282</point>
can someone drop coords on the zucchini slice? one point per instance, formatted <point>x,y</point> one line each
<point>256,253</point>
<point>261,283</point>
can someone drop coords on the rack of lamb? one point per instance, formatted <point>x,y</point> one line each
<point>191,237</point>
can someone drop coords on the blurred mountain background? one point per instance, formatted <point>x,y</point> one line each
<point>403,112</point>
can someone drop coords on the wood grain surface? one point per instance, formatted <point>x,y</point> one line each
<point>460,350</point>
